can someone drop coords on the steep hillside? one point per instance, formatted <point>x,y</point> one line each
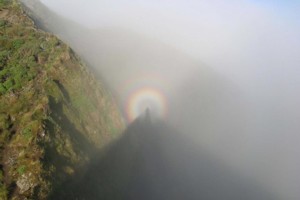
<point>53,113</point>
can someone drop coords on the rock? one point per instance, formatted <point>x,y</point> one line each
<point>25,182</point>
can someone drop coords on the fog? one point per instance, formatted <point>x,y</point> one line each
<point>229,73</point>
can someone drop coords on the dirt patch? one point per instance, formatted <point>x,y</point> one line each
<point>3,13</point>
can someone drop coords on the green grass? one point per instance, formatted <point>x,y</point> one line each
<point>17,43</point>
<point>3,190</point>
<point>2,89</point>
<point>27,133</point>
<point>43,87</point>
<point>80,101</point>
<point>21,66</point>
<point>3,3</point>
<point>4,121</point>
<point>21,170</point>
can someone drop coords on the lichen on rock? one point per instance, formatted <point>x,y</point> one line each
<point>26,182</point>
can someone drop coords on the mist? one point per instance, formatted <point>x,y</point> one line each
<point>229,73</point>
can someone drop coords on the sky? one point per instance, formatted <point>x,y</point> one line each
<point>253,45</point>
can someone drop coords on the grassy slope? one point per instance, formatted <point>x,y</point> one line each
<point>53,113</point>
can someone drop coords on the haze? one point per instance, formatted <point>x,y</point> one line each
<point>229,69</point>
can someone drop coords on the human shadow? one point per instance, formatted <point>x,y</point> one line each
<point>153,161</point>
